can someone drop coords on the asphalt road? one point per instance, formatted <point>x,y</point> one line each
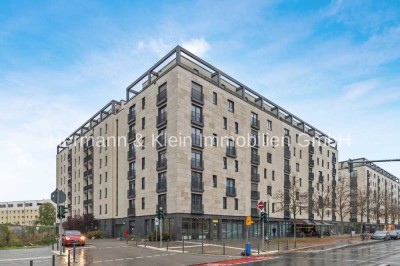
<point>376,253</point>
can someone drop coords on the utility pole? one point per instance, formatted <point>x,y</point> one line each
<point>60,228</point>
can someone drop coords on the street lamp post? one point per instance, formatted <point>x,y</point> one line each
<point>268,200</point>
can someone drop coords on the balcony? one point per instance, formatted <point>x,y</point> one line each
<point>69,194</point>
<point>311,149</point>
<point>161,187</point>
<point>88,173</point>
<point>197,141</point>
<point>88,188</point>
<point>88,159</point>
<point>286,139</point>
<point>88,202</point>
<point>255,123</point>
<point>231,191</point>
<point>162,164</point>
<point>69,169</point>
<point>286,214</point>
<point>197,185</point>
<point>197,119</point>
<point>286,152</point>
<point>287,169</point>
<point>311,163</point>
<point>286,181</point>
<point>255,177</point>
<point>69,182</point>
<point>162,119</point>
<point>311,176</point>
<point>321,179</point>
<point>88,145</point>
<point>131,117</point>
<point>131,174</point>
<point>254,142</point>
<point>131,135</point>
<point>131,155</point>
<point>231,151</point>
<point>197,209</point>
<point>334,183</point>
<point>198,96</point>
<point>161,97</point>
<point>197,164</point>
<point>334,160</point>
<point>69,156</point>
<point>255,195</point>
<point>255,158</point>
<point>161,142</point>
<point>310,216</point>
<point>131,193</point>
<point>131,212</point>
<point>255,212</point>
<point>311,190</point>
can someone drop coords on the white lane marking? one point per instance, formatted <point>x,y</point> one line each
<point>36,258</point>
<point>130,258</point>
<point>139,257</point>
<point>118,259</point>
<point>108,260</point>
<point>149,256</point>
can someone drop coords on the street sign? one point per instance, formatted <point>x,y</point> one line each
<point>58,196</point>
<point>156,221</point>
<point>248,220</point>
<point>260,205</point>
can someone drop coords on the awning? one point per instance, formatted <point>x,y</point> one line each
<point>308,222</point>
<point>300,223</point>
<point>326,223</point>
<point>317,223</point>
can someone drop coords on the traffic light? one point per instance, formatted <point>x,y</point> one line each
<point>264,217</point>
<point>160,213</point>
<point>350,166</point>
<point>62,210</point>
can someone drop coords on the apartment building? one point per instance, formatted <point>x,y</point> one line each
<point>194,141</point>
<point>381,191</point>
<point>20,212</point>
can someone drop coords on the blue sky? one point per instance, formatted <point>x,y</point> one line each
<point>335,64</point>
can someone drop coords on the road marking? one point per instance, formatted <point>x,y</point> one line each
<point>36,258</point>
<point>139,257</point>
<point>118,259</point>
<point>108,260</point>
<point>130,258</point>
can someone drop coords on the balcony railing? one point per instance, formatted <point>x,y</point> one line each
<point>162,97</point>
<point>255,123</point>
<point>131,117</point>
<point>69,156</point>
<point>161,119</point>
<point>197,141</point>
<point>88,159</point>
<point>231,151</point>
<point>161,164</point>
<point>197,119</point>
<point>88,173</point>
<point>197,209</point>
<point>255,212</point>
<point>131,135</point>
<point>88,144</point>
<point>161,186</point>
<point>286,214</point>
<point>311,163</point>
<point>255,177</point>
<point>286,152</point>
<point>131,212</point>
<point>88,188</point>
<point>334,160</point>
<point>311,149</point>
<point>255,158</point>
<point>287,169</point>
<point>69,169</point>
<point>254,141</point>
<point>255,195</point>
<point>231,191</point>
<point>131,174</point>
<point>197,96</point>
<point>69,194</point>
<point>131,193</point>
<point>69,182</point>
<point>321,178</point>
<point>161,141</point>
<point>286,181</point>
<point>197,164</point>
<point>131,155</point>
<point>197,185</point>
<point>88,202</point>
<point>311,176</point>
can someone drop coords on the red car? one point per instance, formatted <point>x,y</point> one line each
<point>73,236</point>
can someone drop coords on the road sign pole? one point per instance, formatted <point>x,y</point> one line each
<point>161,222</point>
<point>60,227</point>
<point>262,235</point>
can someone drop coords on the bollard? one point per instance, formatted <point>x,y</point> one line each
<point>31,263</point>
<point>52,244</point>
<point>54,260</point>
<point>202,247</point>
<point>167,244</point>
<point>69,257</point>
<point>63,248</point>
<point>183,245</point>
<point>287,244</point>
<point>258,248</point>
<point>58,248</point>
<point>74,253</point>
<point>278,245</point>
<point>224,249</point>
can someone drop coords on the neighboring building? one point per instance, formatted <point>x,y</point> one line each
<point>381,189</point>
<point>207,188</point>
<point>20,212</point>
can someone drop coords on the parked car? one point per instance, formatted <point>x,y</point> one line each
<point>381,235</point>
<point>71,237</point>
<point>394,234</point>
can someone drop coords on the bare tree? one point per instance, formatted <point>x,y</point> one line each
<point>377,205</point>
<point>292,200</point>
<point>323,203</point>
<point>394,211</point>
<point>362,204</point>
<point>342,200</point>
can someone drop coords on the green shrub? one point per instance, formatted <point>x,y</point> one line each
<point>152,236</point>
<point>94,234</point>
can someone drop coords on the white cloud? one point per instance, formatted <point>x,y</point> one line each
<point>358,89</point>
<point>197,46</point>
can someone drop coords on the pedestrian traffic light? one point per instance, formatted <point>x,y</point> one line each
<point>62,210</point>
<point>160,213</point>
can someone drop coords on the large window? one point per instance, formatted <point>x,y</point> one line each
<point>231,106</point>
<point>197,137</point>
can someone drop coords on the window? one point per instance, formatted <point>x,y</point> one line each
<point>300,182</point>
<point>215,140</point>
<point>143,122</point>
<point>300,154</point>
<point>214,181</point>
<point>100,209</point>
<point>225,123</point>
<point>265,173</point>
<point>143,183</point>
<point>269,124</point>
<point>297,167</point>
<point>294,152</point>
<point>236,127</point>
<point>273,175</point>
<point>100,194</point>
<point>106,161</point>
<point>105,178</point>
<point>197,137</point>
<point>236,204</point>
<point>224,203</point>
<point>286,132</point>
<point>269,190</point>
<point>197,200</point>
<point>224,160</point>
<point>143,103</point>
<point>269,158</point>
<point>236,166</point>
<point>197,160</point>
<point>99,163</point>
<point>231,106</point>
<point>143,163</point>
<point>320,149</point>
<point>143,203</point>
<point>143,143</point>
<point>322,163</point>
<point>105,209</point>
<point>99,181</point>
<point>215,98</point>
<point>273,207</point>
<point>230,183</point>
<point>197,114</point>
<point>105,193</point>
